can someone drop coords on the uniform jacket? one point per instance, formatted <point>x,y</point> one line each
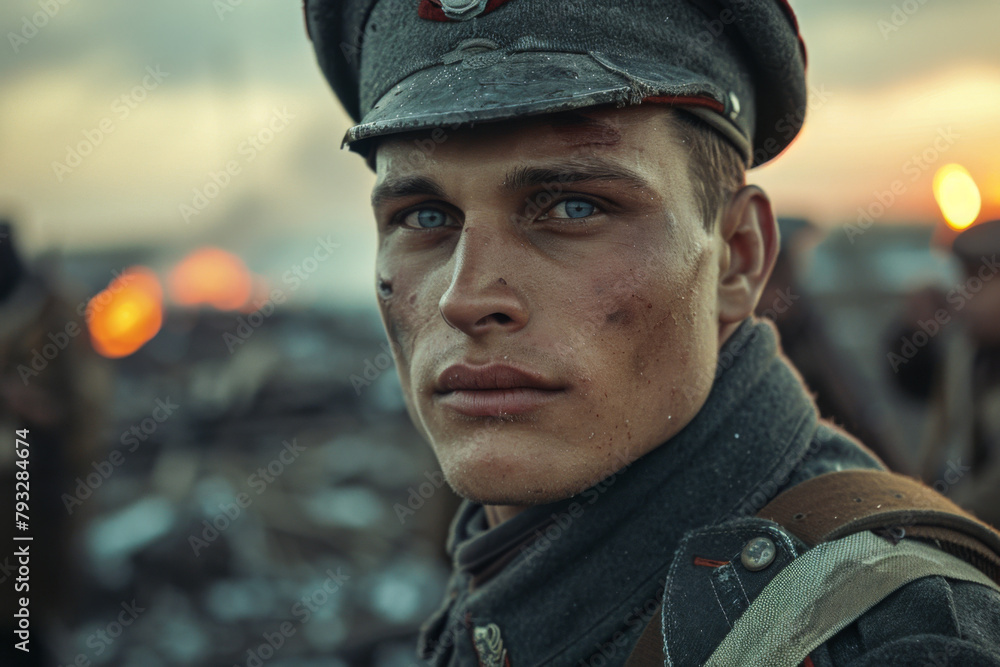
<point>574,583</point>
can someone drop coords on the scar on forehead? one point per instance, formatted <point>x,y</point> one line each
<point>577,130</point>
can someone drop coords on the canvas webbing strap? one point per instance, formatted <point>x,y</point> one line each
<point>824,590</point>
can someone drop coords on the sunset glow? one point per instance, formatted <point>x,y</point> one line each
<point>211,277</point>
<point>957,195</point>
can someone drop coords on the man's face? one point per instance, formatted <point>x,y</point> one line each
<point>572,252</point>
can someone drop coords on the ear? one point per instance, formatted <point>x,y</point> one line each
<point>749,237</point>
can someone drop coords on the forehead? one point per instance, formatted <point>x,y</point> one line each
<point>605,131</point>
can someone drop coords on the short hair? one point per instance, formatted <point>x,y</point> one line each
<point>718,170</point>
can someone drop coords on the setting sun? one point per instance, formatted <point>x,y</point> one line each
<point>957,195</point>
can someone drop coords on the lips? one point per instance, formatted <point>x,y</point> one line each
<point>494,390</point>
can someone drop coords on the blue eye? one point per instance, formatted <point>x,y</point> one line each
<point>573,208</point>
<point>426,218</point>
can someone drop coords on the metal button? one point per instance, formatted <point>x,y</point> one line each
<point>758,554</point>
<point>734,102</point>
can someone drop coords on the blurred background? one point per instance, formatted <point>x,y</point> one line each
<point>222,468</point>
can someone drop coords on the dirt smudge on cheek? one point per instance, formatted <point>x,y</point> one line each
<point>398,303</point>
<point>621,317</point>
<point>664,325</point>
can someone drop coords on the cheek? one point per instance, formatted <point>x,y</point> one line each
<point>659,323</point>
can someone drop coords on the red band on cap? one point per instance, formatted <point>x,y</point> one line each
<point>714,105</point>
<point>431,9</point>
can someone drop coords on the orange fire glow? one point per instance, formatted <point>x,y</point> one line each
<point>211,276</point>
<point>957,195</point>
<point>127,314</point>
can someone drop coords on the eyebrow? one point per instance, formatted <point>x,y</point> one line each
<point>573,171</point>
<point>520,178</point>
<point>407,186</point>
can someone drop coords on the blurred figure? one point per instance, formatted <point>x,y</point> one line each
<point>49,386</point>
<point>955,368</point>
<point>840,393</point>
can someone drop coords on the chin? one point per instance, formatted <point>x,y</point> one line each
<point>518,478</point>
<point>485,492</point>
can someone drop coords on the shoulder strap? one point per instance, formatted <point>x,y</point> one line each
<point>846,502</point>
<point>649,650</point>
<point>837,504</point>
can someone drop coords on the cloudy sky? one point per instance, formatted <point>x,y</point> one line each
<point>169,93</point>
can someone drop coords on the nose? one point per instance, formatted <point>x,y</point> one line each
<point>482,295</point>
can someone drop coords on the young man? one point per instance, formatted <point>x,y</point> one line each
<point>568,265</point>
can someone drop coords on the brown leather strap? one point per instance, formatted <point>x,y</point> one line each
<point>840,503</point>
<point>649,650</point>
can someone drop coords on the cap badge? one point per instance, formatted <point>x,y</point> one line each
<point>461,10</point>
<point>456,10</point>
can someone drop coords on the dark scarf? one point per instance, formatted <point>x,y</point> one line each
<point>563,581</point>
